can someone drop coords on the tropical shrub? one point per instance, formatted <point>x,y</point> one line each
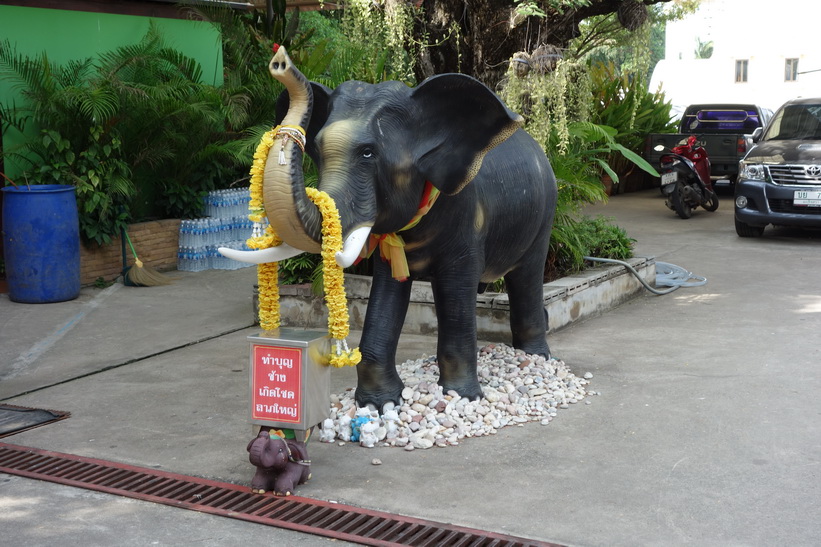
<point>65,137</point>
<point>557,108</point>
<point>622,101</point>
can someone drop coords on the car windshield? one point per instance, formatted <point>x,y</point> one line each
<point>795,122</point>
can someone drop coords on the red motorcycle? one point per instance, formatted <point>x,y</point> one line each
<point>685,178</point>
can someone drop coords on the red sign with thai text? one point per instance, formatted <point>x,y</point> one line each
<point>276,380</point>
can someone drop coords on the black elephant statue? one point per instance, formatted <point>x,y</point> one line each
<point>281,464</point>
<point>444,169</point>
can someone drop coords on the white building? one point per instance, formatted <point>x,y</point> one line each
<point>763,53</point>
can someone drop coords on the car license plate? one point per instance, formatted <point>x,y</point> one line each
<point>669,178</point>
<point>807,198</point>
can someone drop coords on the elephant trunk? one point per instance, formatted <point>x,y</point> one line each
<point>294,217</point>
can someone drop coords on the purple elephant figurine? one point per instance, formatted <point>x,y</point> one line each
<point>281,464</point>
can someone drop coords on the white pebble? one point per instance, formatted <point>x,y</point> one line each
<point>518,388</point>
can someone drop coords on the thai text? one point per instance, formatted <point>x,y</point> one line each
<point>276,408</point>
<point>266,391</point>
<point>281,362</point>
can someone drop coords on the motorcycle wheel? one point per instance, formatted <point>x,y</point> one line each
<point>711,203</point>
<point>680,206</point>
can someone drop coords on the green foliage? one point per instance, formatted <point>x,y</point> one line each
<point>603,39</point>
<point>528,8</point>
<point>704,50</point>
<point>603,239</point>
<point>298,269</point>
<point>585,237</point>
<point>68,139</point>
<point>592,120</point>
<point>597,144</point>
<point>621,100</point>
<point>101,178</point>
<point>178,133</point>
<point>101,283</point>
<point>381,36</point>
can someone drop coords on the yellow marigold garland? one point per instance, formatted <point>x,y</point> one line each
<point>267,274</point>
<point>333,279</point>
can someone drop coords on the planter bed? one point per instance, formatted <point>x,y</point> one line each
<point>567,300</point>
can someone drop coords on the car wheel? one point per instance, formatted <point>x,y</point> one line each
<point>745,230</point>
<point>680,206</point>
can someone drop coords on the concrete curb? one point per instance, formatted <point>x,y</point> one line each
<point>567,300</point>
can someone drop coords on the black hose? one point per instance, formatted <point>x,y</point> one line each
<point>643,282</point>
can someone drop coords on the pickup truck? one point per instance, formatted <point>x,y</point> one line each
<point>780,178</point>
<point>724,130</point>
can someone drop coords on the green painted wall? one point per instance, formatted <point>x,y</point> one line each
<point>67,35</point>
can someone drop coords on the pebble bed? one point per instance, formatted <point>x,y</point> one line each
<point>518,388</point>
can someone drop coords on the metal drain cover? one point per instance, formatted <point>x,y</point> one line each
<point>305,515</point>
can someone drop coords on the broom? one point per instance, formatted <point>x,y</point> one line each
<point>140,275</point>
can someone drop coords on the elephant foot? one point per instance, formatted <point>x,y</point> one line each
<point>378,398</point>
<point>263,481</point>
<point>285,485</point>
<point>470,389</point>
<point>537,348</point>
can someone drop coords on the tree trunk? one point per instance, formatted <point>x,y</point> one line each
<point>487,39</point>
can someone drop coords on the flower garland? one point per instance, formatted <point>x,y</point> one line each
<point>267,274</point>
<point>334,280</point>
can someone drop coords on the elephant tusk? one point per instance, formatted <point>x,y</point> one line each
<point>353,245</point>
<point>263,256</point>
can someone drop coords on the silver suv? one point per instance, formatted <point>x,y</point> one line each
<point>779,180</point>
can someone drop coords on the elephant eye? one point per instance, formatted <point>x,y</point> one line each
<point>367,153</point>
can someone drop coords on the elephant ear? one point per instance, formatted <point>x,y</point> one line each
<point>459,121</point>
<point>319,114</point>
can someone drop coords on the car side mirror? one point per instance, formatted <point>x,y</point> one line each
<point>757,133</point>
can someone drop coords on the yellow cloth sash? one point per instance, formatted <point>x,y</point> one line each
<point>392,246</point>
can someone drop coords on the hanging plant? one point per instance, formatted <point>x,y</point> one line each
<point>383,29</point>
<point>632,14</point>
<point>545,58</point>
<point>548,100</point>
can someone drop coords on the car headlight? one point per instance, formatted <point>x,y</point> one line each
<point>752,171</point>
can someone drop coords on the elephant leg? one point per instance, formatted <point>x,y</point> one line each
<point>285,483</point>
<point>378,381</point>
<point>455,299</point>
<point>528,318</point>
<point>263,480</point>
<point>293,475</point>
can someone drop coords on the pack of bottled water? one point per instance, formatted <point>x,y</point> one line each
<point>232,202</point>
<point>201,232</point>
<point>226,225</point>
<point>197,259</point>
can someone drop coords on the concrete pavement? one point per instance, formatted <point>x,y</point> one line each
<point>707,430</point>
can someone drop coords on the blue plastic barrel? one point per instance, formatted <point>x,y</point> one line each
<point>41,243</point>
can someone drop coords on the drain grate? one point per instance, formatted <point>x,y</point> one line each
<point>305,515</point>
